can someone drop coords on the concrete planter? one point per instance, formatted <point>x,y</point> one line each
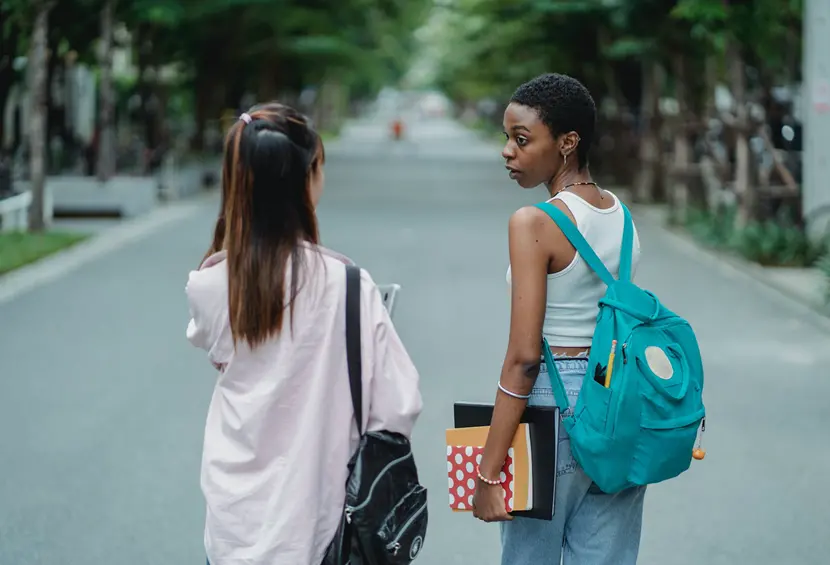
<point>14,212</point>
<point>177,179</point>
<point>119,196</point>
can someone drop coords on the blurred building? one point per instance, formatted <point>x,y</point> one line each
<point>816,107</point>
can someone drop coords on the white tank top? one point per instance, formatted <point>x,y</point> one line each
<point>574,292</point>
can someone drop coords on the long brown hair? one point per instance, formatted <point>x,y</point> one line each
<point>266,213</point>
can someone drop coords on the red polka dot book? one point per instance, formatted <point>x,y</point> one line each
<point>528,475</point>
<point>464,449</point>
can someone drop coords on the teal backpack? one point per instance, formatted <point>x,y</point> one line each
<point>641,428</point>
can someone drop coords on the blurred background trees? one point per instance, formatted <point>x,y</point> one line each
<point>99,86</point>
<point>699,100</point>
<point>156,71</point>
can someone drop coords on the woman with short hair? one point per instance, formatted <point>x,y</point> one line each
<point>549,125</point>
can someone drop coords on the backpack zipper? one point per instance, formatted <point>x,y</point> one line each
<point>628,339</point>
<point>352,509</point>
<point>611,419</point>
<point>395,545</point>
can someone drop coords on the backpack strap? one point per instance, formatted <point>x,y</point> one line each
<point>578,241</point>
<point>559,392</point>
<point>353,359</point>
<point>627,247</point>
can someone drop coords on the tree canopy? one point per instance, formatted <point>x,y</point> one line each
<point>487,47</point>
<point>223,48</point>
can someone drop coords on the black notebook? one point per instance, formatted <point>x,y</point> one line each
<point>543,423</point>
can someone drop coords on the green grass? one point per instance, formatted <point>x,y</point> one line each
<point>774,242</point>
<point>20,248</point>
<point>329,135</point>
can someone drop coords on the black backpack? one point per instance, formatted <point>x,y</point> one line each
<point>385,516</point>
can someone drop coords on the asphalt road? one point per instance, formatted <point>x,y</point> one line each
<point>102,400</point>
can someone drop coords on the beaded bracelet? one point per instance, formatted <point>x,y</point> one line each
<point>483,479</point>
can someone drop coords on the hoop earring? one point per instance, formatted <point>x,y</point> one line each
<point>565,159</point>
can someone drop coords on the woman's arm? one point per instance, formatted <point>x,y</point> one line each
<point>529,262</point>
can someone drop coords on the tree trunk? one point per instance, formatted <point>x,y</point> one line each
<point>37,118</point>
<point>106,139</point>
<point>743,189</point>
<point>713,161</point>
<point>53,113</point>
<point>269,86</point>
<point>7,50</point>
<point>6,83</point>
<point>679,194</point>
<point>207,91</point>
<point>650,178</point>
<point>202,104</point>
<point>143,46</point>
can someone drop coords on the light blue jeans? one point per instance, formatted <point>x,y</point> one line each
<point>589,527</point>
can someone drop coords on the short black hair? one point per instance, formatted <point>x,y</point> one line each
<point>564,104</point>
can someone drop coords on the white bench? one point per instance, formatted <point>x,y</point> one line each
<point>14,212</point>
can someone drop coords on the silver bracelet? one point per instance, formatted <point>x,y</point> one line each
<point>513,394</point>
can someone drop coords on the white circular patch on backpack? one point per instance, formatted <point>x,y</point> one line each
<point>415,548</point>
<point>659,362</point>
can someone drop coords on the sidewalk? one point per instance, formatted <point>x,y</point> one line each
<point>804,285</point>
<point>183,195</point>
<point>106,237</point>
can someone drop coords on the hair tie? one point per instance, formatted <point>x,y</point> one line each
<point>245,117</point>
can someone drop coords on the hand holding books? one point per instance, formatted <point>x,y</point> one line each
<point>526,483</point>
<point>489,501</point>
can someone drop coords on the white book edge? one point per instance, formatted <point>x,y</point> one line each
<point>556,454</point>
<point>388,294</point>
<point>530,469</point>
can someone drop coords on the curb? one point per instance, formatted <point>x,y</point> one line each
<point>98,245</point>
<point>814,311</point>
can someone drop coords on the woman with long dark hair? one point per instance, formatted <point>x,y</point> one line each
<point>268,306</point>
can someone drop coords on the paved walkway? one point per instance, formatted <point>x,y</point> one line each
<point>102,400</point>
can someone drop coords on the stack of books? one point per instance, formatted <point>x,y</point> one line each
<point>528,474</point>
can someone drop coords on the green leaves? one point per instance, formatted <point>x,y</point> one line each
<point>371,39</point>
<point>765,28</point>
<point>569,7</point>
<point>487,46</point>
<point>167,13</point>
<point>701,11</point>
<point>776,241</point>
<point>626,47</point>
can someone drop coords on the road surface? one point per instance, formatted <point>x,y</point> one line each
<point>102,400</point>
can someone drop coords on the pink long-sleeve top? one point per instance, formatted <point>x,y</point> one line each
<point>280,427</point>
